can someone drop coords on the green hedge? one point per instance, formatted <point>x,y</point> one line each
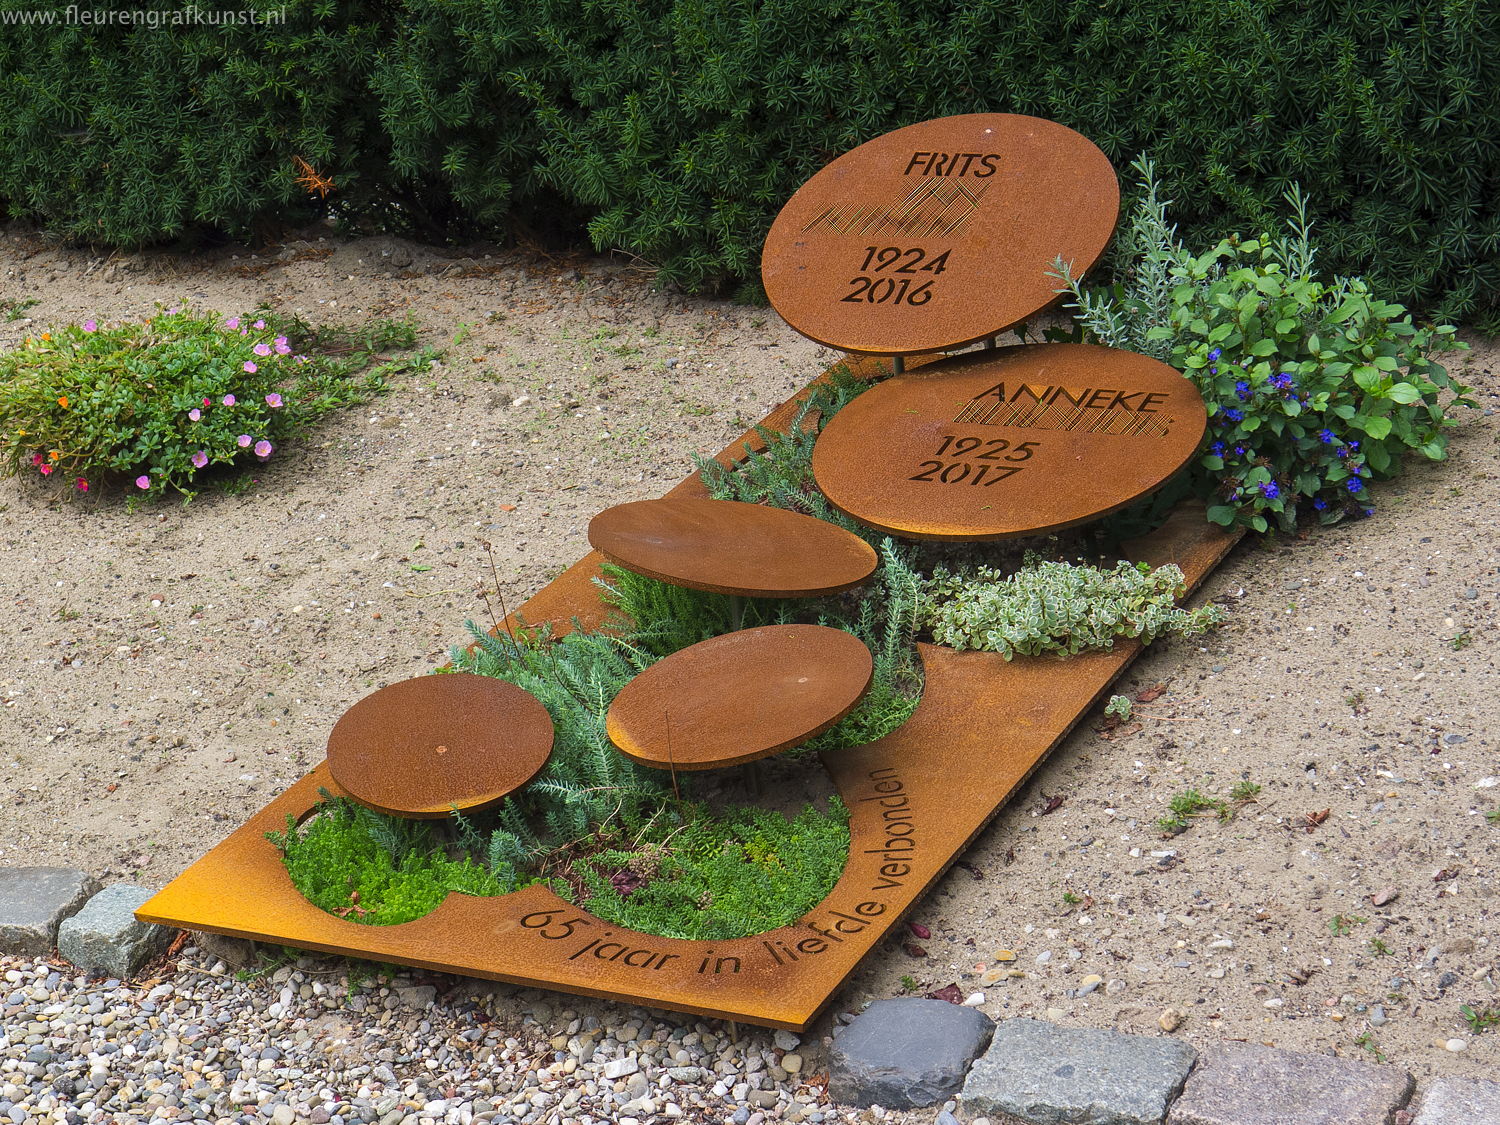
<point>676,128</point>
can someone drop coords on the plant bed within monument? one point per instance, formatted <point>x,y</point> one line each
<point>1002,444</point>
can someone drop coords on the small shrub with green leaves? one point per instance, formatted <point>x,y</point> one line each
<point>1479,1018</point>
<point>1057,607</point>
<point>152,405</point>
<point>1313,387</point>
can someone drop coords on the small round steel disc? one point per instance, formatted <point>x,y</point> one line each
<point>939,234</point>
<point>1009,442</point>
<point>420,747</point>
<point>740,696</point>
<point>732,548</point>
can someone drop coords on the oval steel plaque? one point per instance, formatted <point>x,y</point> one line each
<point>732,548</point>
<point>939,234</point>
<point>418,748</point>
<point>740,696</point>
<point>1009,442</point>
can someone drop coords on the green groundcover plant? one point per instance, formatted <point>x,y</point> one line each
<point>707,877</point>
<point>1059,608</point>
<point>153,405</point>
<point>378,870</point>
<point>1314,387</point>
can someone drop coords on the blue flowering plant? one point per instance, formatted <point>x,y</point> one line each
<point>1313,387</point>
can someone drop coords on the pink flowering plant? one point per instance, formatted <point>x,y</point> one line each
<point>166,403</point>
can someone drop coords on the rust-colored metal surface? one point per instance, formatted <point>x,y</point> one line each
<point>419,748</point>
<point>917,798</point>
<point>1008,442</point>
<point>572,595</point>
<point>741,696</point>
<point>939,234</point>
<point>732,548</point>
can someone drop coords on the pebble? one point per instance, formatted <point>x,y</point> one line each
<point>1456,1045</point>
<point>1170,1019</point>
<point>301,1047</point>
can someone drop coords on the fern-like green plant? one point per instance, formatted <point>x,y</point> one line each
<point>587,781</point>
<point>780,473</point>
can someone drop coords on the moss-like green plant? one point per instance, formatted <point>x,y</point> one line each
<point>744,871</point>
<point>1055,607</point>
<point>377,870</point>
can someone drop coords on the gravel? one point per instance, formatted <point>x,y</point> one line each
<point>310,1042</point>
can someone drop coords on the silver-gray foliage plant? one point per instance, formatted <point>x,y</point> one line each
<point>1058,607</point>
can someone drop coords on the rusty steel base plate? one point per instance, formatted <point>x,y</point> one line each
<point>917,799</point>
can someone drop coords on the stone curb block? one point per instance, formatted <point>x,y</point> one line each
<point>105,936</point>
<point>1247,1084</point>
<point>1459,1101</point>
<point>906,1053</point>
<point>1041,1073</point>
<point>33,903</point>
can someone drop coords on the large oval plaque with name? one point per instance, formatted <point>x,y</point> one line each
<point>939,234</point>
<point>1009,442</point>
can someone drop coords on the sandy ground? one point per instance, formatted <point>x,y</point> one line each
<point>166,671</point>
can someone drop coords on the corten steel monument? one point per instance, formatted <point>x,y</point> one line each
<point>927,239</point>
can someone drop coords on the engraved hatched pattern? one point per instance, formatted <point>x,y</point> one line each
<point>936,207</point>
<point>1062,414</point>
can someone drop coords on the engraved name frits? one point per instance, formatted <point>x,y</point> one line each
<point>1092,410</point>
<point>934,208</point>
<point>952,164</point>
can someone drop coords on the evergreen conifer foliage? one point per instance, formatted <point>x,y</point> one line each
<point>129,134</point>
<point>677,128</point>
